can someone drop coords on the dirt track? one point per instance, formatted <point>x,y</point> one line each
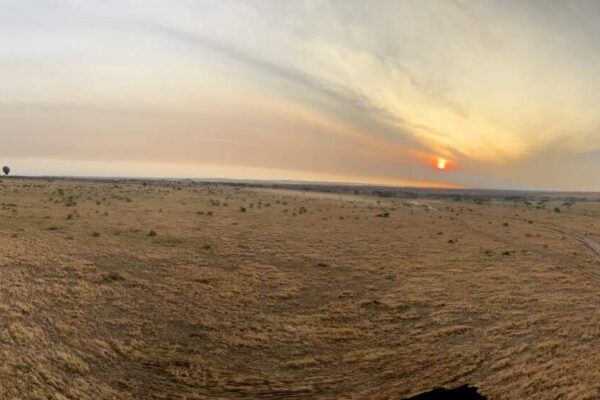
<point>588,242</point>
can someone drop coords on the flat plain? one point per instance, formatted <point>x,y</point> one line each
<point>179,290</point>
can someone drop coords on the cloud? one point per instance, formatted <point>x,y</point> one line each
<point>341,95</point>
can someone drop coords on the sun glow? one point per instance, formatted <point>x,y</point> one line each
<point>441,163</point>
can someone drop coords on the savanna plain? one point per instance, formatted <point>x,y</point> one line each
<point>183,290</point>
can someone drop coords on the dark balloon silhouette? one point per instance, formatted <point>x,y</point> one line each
<point>6,170</point>
<point>460,393</point>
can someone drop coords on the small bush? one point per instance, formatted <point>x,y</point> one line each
<point>113,277</point>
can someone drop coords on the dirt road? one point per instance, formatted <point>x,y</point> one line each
<point>588,242</point>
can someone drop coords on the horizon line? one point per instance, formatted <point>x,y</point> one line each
<point>293,182</point>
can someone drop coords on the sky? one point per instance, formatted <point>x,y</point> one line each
<point>347,91</point>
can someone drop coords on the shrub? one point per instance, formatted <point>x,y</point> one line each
<point>113,277</point>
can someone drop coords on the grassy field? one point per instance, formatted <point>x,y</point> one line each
<point>131,290</point>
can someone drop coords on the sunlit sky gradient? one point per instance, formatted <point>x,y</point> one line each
<point>353,91</point>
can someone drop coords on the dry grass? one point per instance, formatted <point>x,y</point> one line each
<point>126,291</point>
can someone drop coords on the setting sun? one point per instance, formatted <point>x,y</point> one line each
<point>441,163</point>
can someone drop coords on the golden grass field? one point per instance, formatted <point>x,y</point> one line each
<point>124,290</point>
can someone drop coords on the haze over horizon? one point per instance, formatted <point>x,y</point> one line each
<point>347,91</point>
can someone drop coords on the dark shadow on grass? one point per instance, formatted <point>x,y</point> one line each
<point>461,393</point>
